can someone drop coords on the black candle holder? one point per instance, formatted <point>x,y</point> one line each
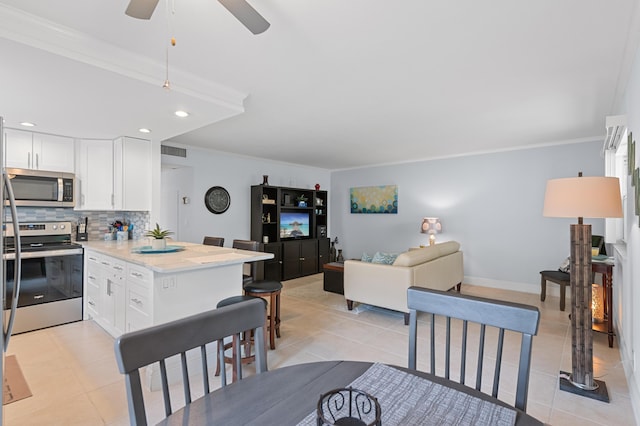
<point>348,406</point>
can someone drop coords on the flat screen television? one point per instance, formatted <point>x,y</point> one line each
<point>294,225</point>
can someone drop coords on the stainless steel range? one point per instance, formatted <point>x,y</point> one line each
<point>51,285</point>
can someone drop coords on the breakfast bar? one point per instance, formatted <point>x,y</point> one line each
<point>128,287</point>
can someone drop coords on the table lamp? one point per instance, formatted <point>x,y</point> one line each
<point>591,197</point>
<point>431,226</point>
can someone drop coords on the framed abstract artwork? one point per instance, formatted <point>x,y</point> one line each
<point>374,199</point>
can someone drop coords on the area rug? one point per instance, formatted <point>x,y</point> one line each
<point>15,386</point>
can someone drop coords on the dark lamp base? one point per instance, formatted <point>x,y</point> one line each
<point>599,394</point>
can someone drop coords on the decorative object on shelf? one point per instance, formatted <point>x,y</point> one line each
<point>332,252</point>
<point>340,258</point>
<point>374,199</point>
<point>591,197</point>
<point>267,200</point>
<point>302,201</point>
<point>265,180</point>
<point>217,199</point>
<point>431,226</point>
<point>317,187</point>
<point>159,236</point>
<point>348,406</point>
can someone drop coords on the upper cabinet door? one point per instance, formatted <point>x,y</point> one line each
<point>18,149</point>
<point>132,174</point>
<point>94,175</point>
<point>55,153</point>
<point>37,151</point>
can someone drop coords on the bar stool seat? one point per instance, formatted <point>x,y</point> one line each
<point>272,289</point>
<point>558,277</point>
<point>245,341</point>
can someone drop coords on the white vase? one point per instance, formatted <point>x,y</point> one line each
<point>158,244</point>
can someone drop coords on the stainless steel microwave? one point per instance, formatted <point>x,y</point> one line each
<point>39,188</point>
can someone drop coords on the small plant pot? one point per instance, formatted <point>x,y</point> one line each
<point>158,244</point>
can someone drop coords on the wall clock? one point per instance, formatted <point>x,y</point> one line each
<point>217,199</point>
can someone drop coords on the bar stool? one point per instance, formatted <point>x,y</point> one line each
<point>271,289</point>
<point>245,340</point>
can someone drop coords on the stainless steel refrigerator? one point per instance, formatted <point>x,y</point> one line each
<point>9,302</point>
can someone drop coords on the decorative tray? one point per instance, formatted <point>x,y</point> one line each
<point>149,249</point>
<point>600,257</point>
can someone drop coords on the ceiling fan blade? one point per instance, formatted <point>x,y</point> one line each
<point>247,15</point>
<point>141,9</point>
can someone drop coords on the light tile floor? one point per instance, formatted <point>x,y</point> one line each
<point>74,379</point>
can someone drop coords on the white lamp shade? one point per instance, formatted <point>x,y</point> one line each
<point>592,197</point>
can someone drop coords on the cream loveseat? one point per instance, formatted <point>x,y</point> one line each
<point>437,267</point>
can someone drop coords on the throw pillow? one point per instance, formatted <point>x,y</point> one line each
<point>384,258</point>
<point>366,258</point>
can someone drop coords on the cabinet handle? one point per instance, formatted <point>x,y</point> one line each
<point>112,200</point>
<point>302,258</point>
<point>105,263</point>
<point>92,258</point>
<point>108,287</point>
<point>29,160</point>
<point>37,162</point>
<point>91,277</point>
<point>90,302</point>
<point>137,274</point>
<point>137,301</point>
<point>118,268</point>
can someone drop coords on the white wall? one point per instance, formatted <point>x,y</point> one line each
<point>203,169</point>
<point>626,292</point>
<point>490,203</point>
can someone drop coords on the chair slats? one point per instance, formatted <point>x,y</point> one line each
<point>501,315</point>
<point>155,344</point>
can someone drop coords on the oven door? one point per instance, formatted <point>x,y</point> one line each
<point>50,289</point>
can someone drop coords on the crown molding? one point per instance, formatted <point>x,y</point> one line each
<point>34,31</point>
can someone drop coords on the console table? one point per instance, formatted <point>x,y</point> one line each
<point>606,269</point>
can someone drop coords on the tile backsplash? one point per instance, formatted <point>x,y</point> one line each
<point>99,221</point>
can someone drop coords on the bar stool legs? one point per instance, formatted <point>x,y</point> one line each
<point>274,313</point>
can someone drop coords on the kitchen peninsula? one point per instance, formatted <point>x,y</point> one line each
<point>126,290</point>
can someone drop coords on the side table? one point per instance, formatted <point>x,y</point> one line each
<point>606,269</point>
<point>334,277</point>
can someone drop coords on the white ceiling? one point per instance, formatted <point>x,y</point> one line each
<point>332,83</point>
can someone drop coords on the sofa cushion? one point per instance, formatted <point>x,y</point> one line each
<point>366,257</point>
<point>416,257</point>
<point>384,258</point>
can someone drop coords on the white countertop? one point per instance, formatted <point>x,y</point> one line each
<point>193,257</point>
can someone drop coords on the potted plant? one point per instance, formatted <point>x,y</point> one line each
<point>158,242</point>
<point>302,201</point>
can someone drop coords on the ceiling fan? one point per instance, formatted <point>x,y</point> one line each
<point>247,15</point>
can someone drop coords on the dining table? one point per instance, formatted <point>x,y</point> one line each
<point>289,396</point>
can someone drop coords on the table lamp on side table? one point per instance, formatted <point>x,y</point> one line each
<point>592,197</point>
<point>431,226</point>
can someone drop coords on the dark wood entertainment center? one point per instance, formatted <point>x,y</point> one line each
<point>299,252</point>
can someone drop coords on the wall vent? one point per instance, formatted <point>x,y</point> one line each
<point>616,126</point>
<point>172,150</point>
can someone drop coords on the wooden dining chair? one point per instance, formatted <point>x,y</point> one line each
<point>155,344</point>
<point>213,241</point>
<point>501,315</point>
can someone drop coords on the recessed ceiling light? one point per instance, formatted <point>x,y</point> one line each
<point>143,130</point>
<point>182,114</point>
<point>27,124</point>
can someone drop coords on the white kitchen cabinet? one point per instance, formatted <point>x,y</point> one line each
<point>94,175</point>
<point>39,151</point>
<point>114,175</point>
<point>105,291</point>
<point>132,174</point>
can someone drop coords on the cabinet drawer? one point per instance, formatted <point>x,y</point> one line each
<point>138,300</point>
<point>140,276</point>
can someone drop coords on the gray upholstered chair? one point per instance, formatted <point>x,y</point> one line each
<point>213,241</point>
<point>155,344</point>
<point>516,317</point>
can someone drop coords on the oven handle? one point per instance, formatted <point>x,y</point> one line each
<point>17,268</point>
<point>43,253</point>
